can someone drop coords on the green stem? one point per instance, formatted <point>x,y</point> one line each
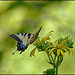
<point>57,65</point>
<point>56,70</point>
<point>49,58</point>
<point>55,58</point>
<point>52,58</point>
<point>54,62</point>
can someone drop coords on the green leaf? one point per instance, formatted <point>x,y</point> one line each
<point>50,71</point>
<point>60,41</point>
<point>69,43</point>
<point>42,46</point>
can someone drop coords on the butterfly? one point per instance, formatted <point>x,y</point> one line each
<point>24,39</point>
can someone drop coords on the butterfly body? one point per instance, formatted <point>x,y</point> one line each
<point>24,39</point>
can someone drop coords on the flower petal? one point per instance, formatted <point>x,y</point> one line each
<point>32,52</point>
<point>51,46</point>
<point>46,49</point>
<point>49,42</point>
<point>66,51</point>
<point>57,40</point>
<point>51,50</point>
<point>49,33</point>
<point>58,52</point>
<point>63,42</point>
<point>70,49</point>
<point>45,38</point>
<point>62,52</point>
<point>38,49</point>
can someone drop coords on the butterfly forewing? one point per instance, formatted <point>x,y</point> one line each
<point>24,37</point>
<point>21,36</point>
<point>26,40</point>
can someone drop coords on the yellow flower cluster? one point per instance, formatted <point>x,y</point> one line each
<point>59,48</point>
<point>47,37</point>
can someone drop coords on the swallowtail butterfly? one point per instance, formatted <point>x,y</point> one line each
<point>24,39</point>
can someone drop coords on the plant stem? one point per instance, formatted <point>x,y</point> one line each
<point>49,58</point>
<point>54,61</point>
<point>57,65</point>
<point>56,70</point>
<point>52,58</point>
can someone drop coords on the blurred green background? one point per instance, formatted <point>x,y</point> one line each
<point>28,17</point>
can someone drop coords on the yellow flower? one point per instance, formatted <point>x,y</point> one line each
<point>60,48</point>
<point>47,37</point>
<point>37,42</point>
<point>40,43</point>
<point>33,51</point>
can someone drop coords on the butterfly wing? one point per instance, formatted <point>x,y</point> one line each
<point>24,37</point>
<point>35,36</point>
<point>23,40</point>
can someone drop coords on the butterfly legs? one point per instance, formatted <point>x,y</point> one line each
<point>14,52</point>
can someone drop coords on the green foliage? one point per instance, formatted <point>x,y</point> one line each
<point>42,46</point>
<point>68,43</point>
<point>50,71</point>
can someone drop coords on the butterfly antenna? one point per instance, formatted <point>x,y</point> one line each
<point>14,52</point>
